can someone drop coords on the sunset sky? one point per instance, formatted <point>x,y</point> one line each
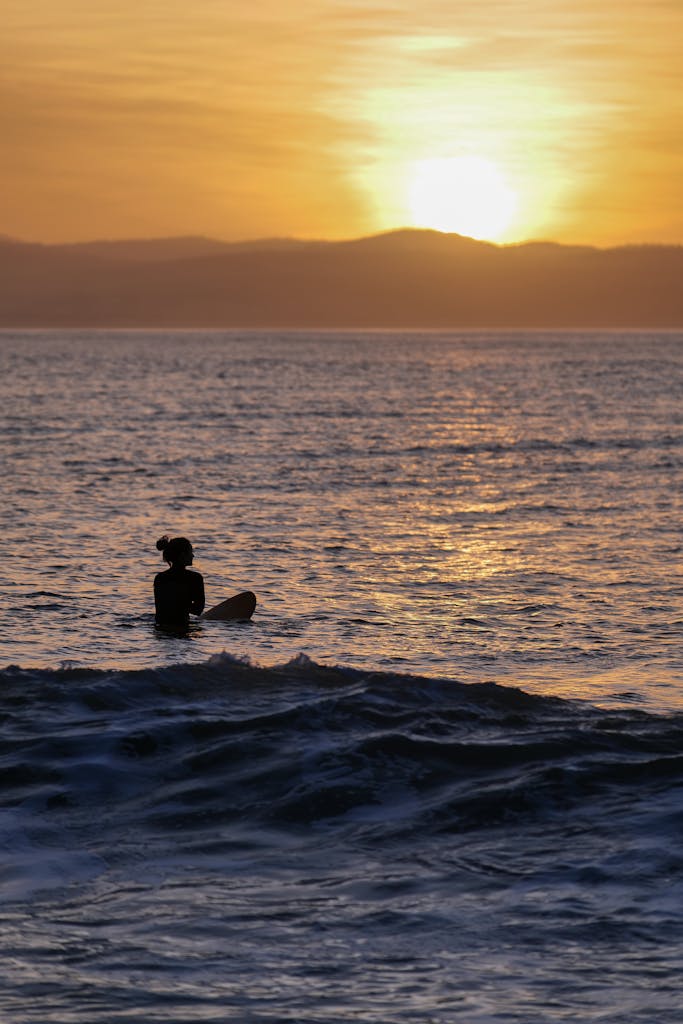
<point>504,119</point>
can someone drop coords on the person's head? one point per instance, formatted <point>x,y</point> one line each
<point>176,551</point>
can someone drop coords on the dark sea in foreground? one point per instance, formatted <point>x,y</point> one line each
<point>439,776</point>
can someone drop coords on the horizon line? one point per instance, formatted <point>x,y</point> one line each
<point>296,239</point>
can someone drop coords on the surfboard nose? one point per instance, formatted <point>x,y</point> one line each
<point>241,606</point>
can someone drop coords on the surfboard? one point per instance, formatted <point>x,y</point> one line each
<point>241,606</point>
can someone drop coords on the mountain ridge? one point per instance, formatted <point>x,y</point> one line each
<point>402,278</point>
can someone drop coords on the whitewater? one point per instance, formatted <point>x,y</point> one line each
<point>438,776</point>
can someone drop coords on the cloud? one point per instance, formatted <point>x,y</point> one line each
<point>319,102</point>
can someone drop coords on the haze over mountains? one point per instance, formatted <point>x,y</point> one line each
<point>408,278</point>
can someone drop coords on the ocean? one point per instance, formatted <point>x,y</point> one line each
<point>439,776</point>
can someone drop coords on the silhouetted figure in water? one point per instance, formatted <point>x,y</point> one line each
<point>177,591</point>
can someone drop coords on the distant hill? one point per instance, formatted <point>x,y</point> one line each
<point>408,278</point>
<point>150,250</point>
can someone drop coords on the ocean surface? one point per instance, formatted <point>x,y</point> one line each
<point>439,776</point>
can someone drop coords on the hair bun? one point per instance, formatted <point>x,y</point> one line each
<point>163,542</point>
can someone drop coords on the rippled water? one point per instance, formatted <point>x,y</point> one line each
<point>380,800</point>
<point>471,505</point>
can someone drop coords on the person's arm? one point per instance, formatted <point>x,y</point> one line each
<point>198,600</point>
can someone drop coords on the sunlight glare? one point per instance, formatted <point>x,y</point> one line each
<point>466,194</point>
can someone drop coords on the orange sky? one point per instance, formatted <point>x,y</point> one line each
<point>317,118</point>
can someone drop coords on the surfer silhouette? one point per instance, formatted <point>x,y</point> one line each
<point>179,591</point>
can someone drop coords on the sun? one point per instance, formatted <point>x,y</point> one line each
<point>464,194</point>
